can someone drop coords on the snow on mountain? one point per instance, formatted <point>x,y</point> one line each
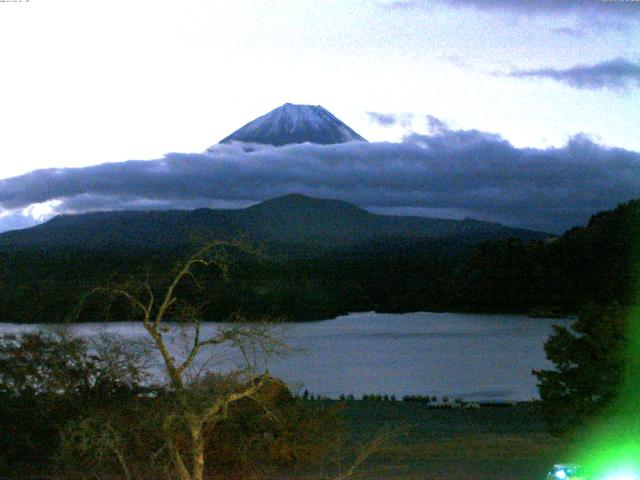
<point>295,124</point>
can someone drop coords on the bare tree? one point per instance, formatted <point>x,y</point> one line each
<point>198,401</point>
<point>198,406</point>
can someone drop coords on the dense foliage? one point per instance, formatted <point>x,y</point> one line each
<point>592,364</point>
<point>46,380</point>
<point>596,360</point>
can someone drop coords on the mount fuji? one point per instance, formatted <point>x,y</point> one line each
<point>291,123</point>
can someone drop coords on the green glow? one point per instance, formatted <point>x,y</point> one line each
<point>610,448</point>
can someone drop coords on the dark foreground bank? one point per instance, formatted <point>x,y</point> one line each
<point>489,443</point>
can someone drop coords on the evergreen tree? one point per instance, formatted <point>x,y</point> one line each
<point>592,363</point>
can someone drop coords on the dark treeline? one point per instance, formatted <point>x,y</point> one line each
<point>594,264</point>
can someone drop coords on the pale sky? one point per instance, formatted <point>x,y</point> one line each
<point>91,81</point>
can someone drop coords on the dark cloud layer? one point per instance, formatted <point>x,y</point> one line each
<point>586,16</point>
<point>447,171</point>
<point>609,7</point>
<point>617,74</point>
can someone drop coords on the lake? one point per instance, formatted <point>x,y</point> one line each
<point>476,357</point>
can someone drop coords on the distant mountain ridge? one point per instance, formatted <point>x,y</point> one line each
<point>289,124</point>
<point>290,219</point>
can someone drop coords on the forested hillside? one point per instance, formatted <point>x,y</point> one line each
<point>597,263</point>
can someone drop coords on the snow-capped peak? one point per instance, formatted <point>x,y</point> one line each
<point>295,124</point>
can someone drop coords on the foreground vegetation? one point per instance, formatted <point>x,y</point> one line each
<point>75,410</point>
<point>71,410</point>
<point>79,408</point>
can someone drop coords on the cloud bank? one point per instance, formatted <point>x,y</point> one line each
<point>589,15</point>
<point>617,74</point>
<point>609,7</point>
<point>453,173</point>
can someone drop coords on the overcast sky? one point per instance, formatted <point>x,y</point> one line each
<point>86,82</point>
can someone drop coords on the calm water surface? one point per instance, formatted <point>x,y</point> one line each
<point>476,357</point>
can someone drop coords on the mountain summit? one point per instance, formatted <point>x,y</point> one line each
<point>295,124</point>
